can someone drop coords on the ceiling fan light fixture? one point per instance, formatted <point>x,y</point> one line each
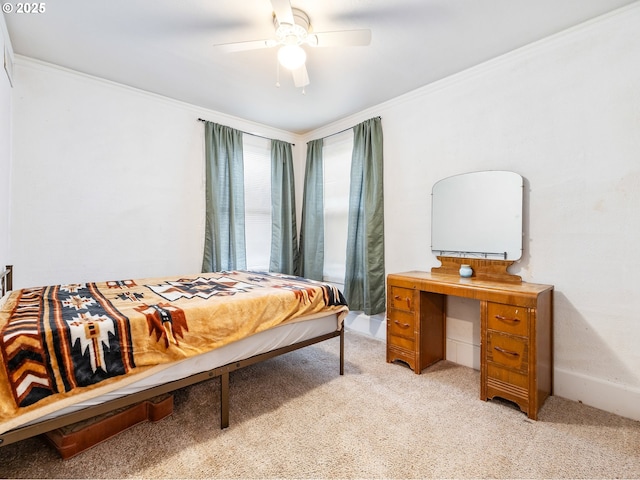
<point>292,57</point>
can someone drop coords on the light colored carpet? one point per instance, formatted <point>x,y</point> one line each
<point>295,417</point>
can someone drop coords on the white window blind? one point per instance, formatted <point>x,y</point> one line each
<point>336,153</point>
<point>257,201</point>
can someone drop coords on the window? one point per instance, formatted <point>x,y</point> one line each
<point>257,201</point>
<point>336,152</point>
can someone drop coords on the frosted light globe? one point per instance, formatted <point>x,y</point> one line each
<point>292,57</point>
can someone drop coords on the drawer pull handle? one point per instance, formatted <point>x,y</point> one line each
<point>507,319</point>
<point>507,352</point>
<point>398,297</point>
<point>403,325</point>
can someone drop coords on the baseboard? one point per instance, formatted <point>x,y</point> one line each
<point>611,397</point>
<point>463,353</point>
<point>607,396</point>
<point>372,325</point>
<point>375,326</point>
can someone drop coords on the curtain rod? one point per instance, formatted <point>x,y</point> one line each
<point>346,129</point>
<point>248,133</point>
<point>266,138</point>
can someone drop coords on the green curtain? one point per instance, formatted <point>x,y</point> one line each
<point>364,276</point>
<point>312,228</point>
<point>224,247</point>
<point>284,233</point>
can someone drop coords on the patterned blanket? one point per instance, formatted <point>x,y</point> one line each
<point>64,340</point>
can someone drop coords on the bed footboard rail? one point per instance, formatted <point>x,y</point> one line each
<point>22,433</point>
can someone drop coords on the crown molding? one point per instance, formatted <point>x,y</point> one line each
<point>471,74</point>
<point>468,75</point>
<point>198,112</point>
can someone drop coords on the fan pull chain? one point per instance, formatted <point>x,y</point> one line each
<point>277,74</point>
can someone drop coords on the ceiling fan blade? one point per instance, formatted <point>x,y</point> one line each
<point>300,76</point>
<point>242,46</point>
<point>282,9</point>
<point>343,38</point>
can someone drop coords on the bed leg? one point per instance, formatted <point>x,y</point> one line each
<point>224,400</point>
<point>342,351</point>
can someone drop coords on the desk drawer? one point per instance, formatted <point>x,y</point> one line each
<point>508,319</point>
<point>407,344</point>
<point>401,298</point>
<point>508,351</point>
<point>401,323</point>
<point>507,384</point>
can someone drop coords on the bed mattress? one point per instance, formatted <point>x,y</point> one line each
<point>72,346</point>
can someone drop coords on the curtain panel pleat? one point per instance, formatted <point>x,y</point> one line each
<point>284,233</point>
<point>224,230</point>
<point>312,228</point>
<point>365,275</point>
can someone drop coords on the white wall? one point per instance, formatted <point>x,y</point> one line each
<point>565,114</point>
<point>108,181</point>
<point>5,146</point>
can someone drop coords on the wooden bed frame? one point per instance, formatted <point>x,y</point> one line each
<point>223,372</point>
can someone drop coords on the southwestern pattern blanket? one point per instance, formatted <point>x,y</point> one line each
<point>59,340</point>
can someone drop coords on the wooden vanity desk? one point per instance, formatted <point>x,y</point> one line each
<point>516,326</point>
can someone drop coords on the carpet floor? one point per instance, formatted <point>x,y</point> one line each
<point>295,417</point>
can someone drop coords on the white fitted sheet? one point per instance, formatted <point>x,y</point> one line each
<point>266,341</point>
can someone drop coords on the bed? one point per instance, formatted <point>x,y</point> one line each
<point>72,352</point>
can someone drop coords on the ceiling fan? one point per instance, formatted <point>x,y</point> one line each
<point>292,31</point>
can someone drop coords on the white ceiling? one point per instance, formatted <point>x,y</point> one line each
<point>166,47</point>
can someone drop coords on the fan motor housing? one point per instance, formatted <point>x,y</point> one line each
<point>299,30</point>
